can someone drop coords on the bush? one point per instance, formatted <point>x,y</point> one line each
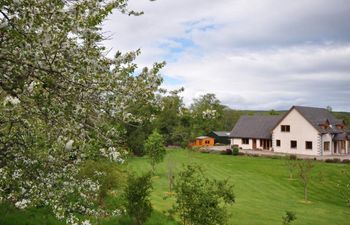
<point>137,195</point>
<point>288,218</point>
<point>292,157</point>
<point>235,150</point>
<point>229,151</point>
<point>199,200</point>
<point>274,156</point>
<point>334,160</point>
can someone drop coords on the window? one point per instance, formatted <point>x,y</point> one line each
<point>308,145</point>
<point>278,143</point>
<point>207,142</point>
<point>245,141</point>
<point>326,146</point>
<point>285,128</point>
<point>293,144</point>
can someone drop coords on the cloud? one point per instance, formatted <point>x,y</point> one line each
<point>252,54</point>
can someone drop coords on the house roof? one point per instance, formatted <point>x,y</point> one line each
<point>221,133</point>
<point>202,137</point>
<point>341,136</point>
<point>316,117</point>
<point>255,126</point>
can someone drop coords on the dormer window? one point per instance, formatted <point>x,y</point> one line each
<point>285,128</point>
<point>339,126</point>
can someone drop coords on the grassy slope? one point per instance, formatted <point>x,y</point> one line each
<point>262,189</point>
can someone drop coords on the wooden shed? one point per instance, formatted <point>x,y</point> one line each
<point>221,137</point>
<point>203,141</point>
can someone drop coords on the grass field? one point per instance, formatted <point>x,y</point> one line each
<point>263,190</point>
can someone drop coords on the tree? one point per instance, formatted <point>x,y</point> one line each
<point>137,195</point>
<point>171,174</point>
<point>273,112</point>
<point>207,112</point>
<point>304,168</point>
<point>290,163</point>
<point>63,102</point>
<point>171,119</point>
<point>288,218</point>
<point>199,200</point>
<point>155,148</point>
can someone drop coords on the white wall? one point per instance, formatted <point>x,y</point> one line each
<point>327,137</point>
<point>301,131</point>
<point>238,141</point>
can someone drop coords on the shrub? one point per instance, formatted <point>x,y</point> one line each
<point>235,150</point>
<point>199,200</point>
<point>229,151</point>
<point>288,218</point>
<point>137,195</point>
<point>347,161</point>
<point>274,156</point>
<point>292,157</point>
<point>334,160</point>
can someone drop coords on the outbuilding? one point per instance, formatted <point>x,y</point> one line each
<point>203,141</point>
<point>221,137</point>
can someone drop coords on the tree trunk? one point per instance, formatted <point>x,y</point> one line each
<point>305,191</point>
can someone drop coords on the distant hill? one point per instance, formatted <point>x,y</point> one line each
<point>344,116</point>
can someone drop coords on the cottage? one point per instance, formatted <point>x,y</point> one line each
<point>221,137</point>
<point>302,130</point>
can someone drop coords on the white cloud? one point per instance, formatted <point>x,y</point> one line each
<point>252,54</point>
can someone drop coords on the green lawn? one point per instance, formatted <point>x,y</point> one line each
<point>263,190</point>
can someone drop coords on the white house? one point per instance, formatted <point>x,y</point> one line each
<point>302,130</point>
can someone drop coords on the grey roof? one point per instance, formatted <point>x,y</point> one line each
<point>255,126</point>
<point>317,116</point>
<point>222,133</point>
<point>341,136</point>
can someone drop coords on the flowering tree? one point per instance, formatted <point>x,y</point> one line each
<point>62,102</point>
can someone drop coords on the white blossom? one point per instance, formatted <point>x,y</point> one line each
<point>209,114</point>
<point>69,145</point>
<point>22,204</point>
<point>86,222</point>
<point>12,100</point>
<point>3,24</point>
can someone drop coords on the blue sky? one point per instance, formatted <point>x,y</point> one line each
<point>256,54</point>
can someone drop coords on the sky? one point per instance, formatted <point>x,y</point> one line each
<point>252,54</point>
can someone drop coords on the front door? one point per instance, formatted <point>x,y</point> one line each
<point>254,143</point>
<point>335,147</point>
